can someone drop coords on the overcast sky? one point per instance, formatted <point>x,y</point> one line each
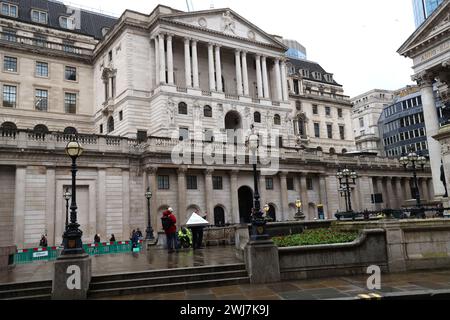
<point>356,40</point>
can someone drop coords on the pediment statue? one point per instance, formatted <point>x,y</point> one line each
<point>228,22</point>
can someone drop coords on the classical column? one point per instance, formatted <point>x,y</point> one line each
<point>153,184</point>
<point>323,196</point>
<point>399,192</point>
<point>50,207</point>
<point>278,80</point>
<point>432,127</point>
<point>195,64</point>
<point>212,80</point>
<point>19,206</point>
<point>425,194</point>
<point>265,78</point>
<point>237,55</point>
<point>407,188</point>
<point>125,204</point>
<point>262,190</point>
<point>284,197</point>
<point>245,73</point>
<point>170,60</point>
<point>430,189</point>
<point>162,59</point>
<point>157,61</point>
<point>381,190</point>
<point>284,83</point>
<point>234,196</point>
<point>390,192</point>
<point>209,194</point>
<point>187,63</point>
<point>101,201</point>
<point>181,195</point>
<point>304,195</point>
<point>218,70</point>
<point>259,77</point>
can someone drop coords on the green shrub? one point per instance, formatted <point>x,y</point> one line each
<point>315,237</point>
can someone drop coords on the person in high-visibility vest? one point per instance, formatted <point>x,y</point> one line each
<point>185,237</point>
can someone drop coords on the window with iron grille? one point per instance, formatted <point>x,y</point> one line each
<point>191,182</point>
<point>42,69</point>
<point>41,100</point>
<point>163,183</point>
<point>70,102</point>
<point>10,64</point>
<point>9,96</point>
<point>71,74</point>
<point>269,183</point>
<point>217,183</point>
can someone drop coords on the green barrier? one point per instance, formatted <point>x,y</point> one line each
<point>25,256</point>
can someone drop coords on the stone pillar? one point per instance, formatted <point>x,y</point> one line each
<point>126,204</point>
<point>432,127</point>
<point>259,83</point>
<point>101,206</point>
<point>245,73</point>
<point>430,189</point>
<point>170,79</point>
<point>187,63</point>
<point>195,64</point>
<point>399,193</point>
<point>262,190</point>
<point>209,194</point>
<point>153,184</point>
<point>278,80</point>
<point>284,84</point>
<point>71,277</point>
<point>162,60</point>
<point>219,70</point>
<point>304,195</point>
<point>212,80</point>
<point>50,206</point>
<point>284,197</point>
<point>19,206</point>
<point>262,262</point>
<point>181,195</point>
<point>234,196</point>
<point>323,195</point>
<point>390,192</point>
<point>407,189</point>
<point>381,190</point>
<point>237,55</point>
<point>424,189</point>
<point>365,191</point>
<point>265,78</point>
<point>157,62</point>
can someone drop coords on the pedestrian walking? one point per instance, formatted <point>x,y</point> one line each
<point>43,242</point>
<point>197,224</point>
<point>134,240</point>
<point>113,238</point>
<point>97,238</point>
<point>139,234</point>
<point>169,221</point>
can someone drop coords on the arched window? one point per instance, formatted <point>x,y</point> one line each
<point>182,108</point>
<point>8,129</point>
<point>110,124</point>
<point>257,117</point>
<point>40,128</point>
<point>70,130</point>
<point>344,151</point>
<point>207,111</point>
<point>319,149</point>
<point>332,151</point>
<point>277,120</point>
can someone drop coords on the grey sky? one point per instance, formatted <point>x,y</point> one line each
<point>356,40</point>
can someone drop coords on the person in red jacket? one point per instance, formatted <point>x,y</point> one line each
<point>169,222</point>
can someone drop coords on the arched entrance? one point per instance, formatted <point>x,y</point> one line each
<point>245,195</point>
<point>219,216</point>
<point>272,213</point>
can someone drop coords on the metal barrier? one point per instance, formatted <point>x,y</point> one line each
<point>408,213</point>
<point>24,256</point>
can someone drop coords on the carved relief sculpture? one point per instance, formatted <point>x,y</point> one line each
<point>228,23</point>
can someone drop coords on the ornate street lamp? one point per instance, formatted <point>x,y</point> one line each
<point>67,195</point>
<point>72,236</point>
<point>345,184</point>
<point>414,161</point>
<point>299,215</point>
<point>149,231</point>
<point>258,219</point>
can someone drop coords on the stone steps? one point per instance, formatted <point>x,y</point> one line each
<point>26,291</point>
<point>167,280</point>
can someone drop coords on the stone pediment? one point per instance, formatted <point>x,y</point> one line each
<point>227,22</point>
<point>435,27</point>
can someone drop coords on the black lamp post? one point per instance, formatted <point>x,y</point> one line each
<point>149,231</point>
<point>67,195</point>
<point>258,219</point>
<point>414,160</point>
<point>72,236</point>
<point>345,184</point>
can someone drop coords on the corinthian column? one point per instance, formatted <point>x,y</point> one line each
<point>284,81</point>
<point>187,63</point>
<point>238,72</point>
<point>265,78</point>
<point>259,77</point>
<point>157,61</point>
<point>278,80</point>
<point>212,81</point>
<point>162,60</point>
<point>245,73</point>
<point>169,60</point>
<point>218,70</point>
<point>195,64</point>
<point>432,127</point>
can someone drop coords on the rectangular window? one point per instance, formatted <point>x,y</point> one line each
<point>217,183</point>
<point>191,182</point>
<point>41,69</point>
<point>315,109</point>
<point>316,130</point>
<point>342,132</point>
<point>68,46</point>
<point>110,55</point>
<point>10,64</point>
<point>113,86</point>
<point>163,183</point>
<point>39,16</point>
<point>120,115</point>
<point>361,122</point>
<point>339,112</point>
<point>269,183</point>
<point>41,102</point>
<point>9,35</point>
<point>40,40</point>
<point>330,131</point>
<point>309,184</point>
<point>70,102</point>
<point>70,74</point>
<point>9,96</point>
<point>328,111</point>
<point>290,184</point>
<point>101,129</point>
<point>9,10</point>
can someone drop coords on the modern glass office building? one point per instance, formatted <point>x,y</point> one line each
<point>423,9</point>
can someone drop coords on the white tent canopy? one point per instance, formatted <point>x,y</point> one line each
<point>196,221</point>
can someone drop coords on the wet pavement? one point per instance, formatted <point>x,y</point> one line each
<point>154,259</point>
<point>317,289</point>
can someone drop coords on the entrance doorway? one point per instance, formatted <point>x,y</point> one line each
<point>219,216</point>
<point>245,195</point>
